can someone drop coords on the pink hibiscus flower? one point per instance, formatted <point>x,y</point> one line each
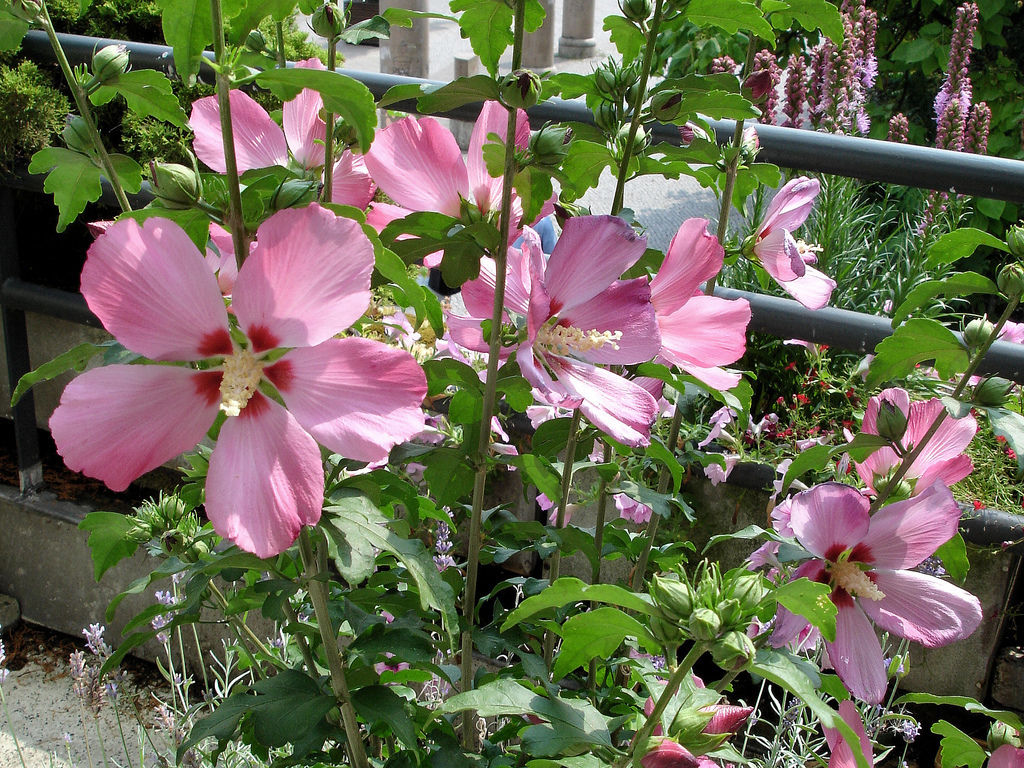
<point>307,280</point>
<point>785,259</point>
<point>1007,756</point>
<point>631,509</point>
<point>698,333</point>
<point>865,560</point>
<point>419,165</point>
<point>943,457</point>
<point>668,753</point>
<point>577,317</point>
<point>842,754</point>
<point>261,143</point>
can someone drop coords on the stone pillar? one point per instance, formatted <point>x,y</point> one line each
<point>577,40</point>
<point>407,52</point>
<point>466,65</point>
<point>539,46</point>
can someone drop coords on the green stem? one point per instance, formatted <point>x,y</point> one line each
<point>640,740</point>
<point>279,53</point>
<point>307,656</point>
<point>500,256</point>
<point>241,627</point>
<point>563,502</point>
<point>637,108</point>
<point>332,63</point>
<point>732,170</point>
<point>663,481</point>
<point>315,567</point>
<point>234,218</point>
<point>84,111</point>
<point>912,455</point>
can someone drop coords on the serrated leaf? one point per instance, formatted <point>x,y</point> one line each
<point>108,540</point>
<point>810,599</point>
<point>917,341</point>
<point>12,31</point>
<point>148,94</point>
<point>341,95</point>
<point>367,29</point>
<point>571,590</point>
<point>625,35</point>
<point>811,15</point>
<point>188,29</point>
<point>539,472</point>
<point>444,372</point>
<point>353,556</point>
<point>72,178</point>
<point>74,359</point>
<point>595,634</point>
<point>958,749</point>
<point>960,284</point>
<point>862,446</point>
<point>245,15</point>
<point>448,474</point>
<point>464,90</point>
<point>380,704</point>
<point>660,453</point>
<point>488,25</point>
<point>731,16</point>
<point>813,459</point>
<point>582,167</point>
<point>129,172</point>
<point>959,244</point>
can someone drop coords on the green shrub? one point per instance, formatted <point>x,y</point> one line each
<point>32,111</point>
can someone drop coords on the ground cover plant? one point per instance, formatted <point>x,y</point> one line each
<point>345,430</point>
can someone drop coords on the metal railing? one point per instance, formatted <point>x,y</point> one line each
<point>865,159</point>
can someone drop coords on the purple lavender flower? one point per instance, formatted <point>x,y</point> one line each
<point>796,92</point>
<point>957,85</point>
<point>4,672</point>
<point>165,597</point>
<point>94,640</point>
<point>723,64</point>
<point>443,546</point>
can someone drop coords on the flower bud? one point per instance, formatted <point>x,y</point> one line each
<point>748,588</point>
<point>1000,734</point>
<point>1015,241</point>
<point>550,144</point>
<point>328,20</point>
<point>902,490</point>
<point>293,193</point>
<point>26,10</point>
<point>1010,279</point>
<point>256,41</point>
<point>666,107</point>
<point>566,211</point>
<point>899,666</point>
<point>689,723</point>
<point>665,632</point>
<point>520,89</point>
<point>76,136</point>
<point>733,651</point>
<point>730,612</point>
<point>704,624</point>
<point>993,391</point>
<point>726,718</point>
<point>674,597</point>
<point>606,116</point>
<point>109,62</point>
<point>636,10</point>
<point>978,332</point>
<point>606,81</point>
<point>891,422</point>
<point>758,83</point>
<point>176,186</point>
<point>667,753</point>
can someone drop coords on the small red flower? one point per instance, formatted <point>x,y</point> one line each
<point>978,504</point>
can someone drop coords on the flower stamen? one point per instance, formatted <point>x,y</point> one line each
<point>848,575</point>
<point>242,373</point>
<point>565,339</point>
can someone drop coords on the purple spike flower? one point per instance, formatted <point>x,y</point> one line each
<point>978,125</point>
<point>899,128</point>
<point>796,92</point>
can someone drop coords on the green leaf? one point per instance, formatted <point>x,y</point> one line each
<point>367,29</point>
<point>862,446</point>
<point>341,95</point>
<point>74,359</point>
<point>129,172</point>
<point>444,372</point>
<point>448,474</point>
<point>917,341</point>
<point>582,167</point>
<point>960,284</point>
<point>811,15</point>
<point>959,244</point>
<point>571,590</point>
<point>188,29</point>
<point>540,473</point>
<point>464,90</point>
<point>810,600</point>
<point>660,503</point>
<point>353,556</point>
<point>488,25</point>
<point>148,93</point>
<point>12,31</point>
<point>379,704</point>
<point>73,180</point>
<point>358,518</point>
<point>1011,719</point>
<point>953,555</point>
<point>595,634</point>
<point>958,749</point>
<point>245,15</point>
<point>403,17</point>
<point>626,36</point>
<point>393,268</point>
<point>731,16</point>
<point>108,540</point>
<point>813,459</point>
<point>660,453</point>
<point>1010,425</point>
<point>195,222</point>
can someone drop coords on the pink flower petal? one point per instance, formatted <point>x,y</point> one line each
<point>551,390</point>
<point>706,331</point>
<point>842,754</point>
<point>259,141</point>
<point>357,397</point>
<point>779,256</point>
<point>118,422</point>
<point>351,183</point>
<point>624,307</point>
<point>922,608</point>
<point>945,472</point>
<point>221,258</point>
<point>150,287</point>
<point>949,442</point>
<point>1007,756</point>
<point>899,398</point>
<point>307,279</point>
<point>716,378</point>
<point>484,189</point>
<point>791,205</point>
<point>856,654</point>
<point>788,625</point>
<point>905,533</point>
<point>467,332</point>
<point>419,165</point>
<point>478,294</point>
<point>813,290</point>
<point>592,252</point>
<point>829,518</point>
<point>693,257</point>
<point>303,127</point>
<point>379,215</point>
<point>265,479</point>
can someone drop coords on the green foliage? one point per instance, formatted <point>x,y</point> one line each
<point>137,20</point>
<point>32,111</point>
